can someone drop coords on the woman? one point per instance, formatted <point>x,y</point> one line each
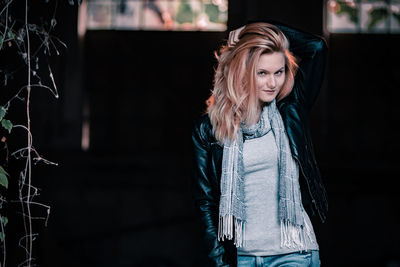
<point>252,200</point>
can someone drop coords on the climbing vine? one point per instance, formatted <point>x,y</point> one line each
<point>26,44</point>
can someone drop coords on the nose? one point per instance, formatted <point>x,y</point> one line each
<point>271,82</point>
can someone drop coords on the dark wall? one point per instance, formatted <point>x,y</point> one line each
<point>144,94</point>
<point>127,201</point>
<point>360,161</point>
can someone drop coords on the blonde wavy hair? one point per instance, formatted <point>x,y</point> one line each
<point>235,96</point>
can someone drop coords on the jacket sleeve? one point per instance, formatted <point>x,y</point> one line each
<point>312,51</point>
<point>206,206</point>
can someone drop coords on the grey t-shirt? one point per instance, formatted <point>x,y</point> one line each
<point>262,236</point>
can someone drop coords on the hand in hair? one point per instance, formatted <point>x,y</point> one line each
<point>234,36</point>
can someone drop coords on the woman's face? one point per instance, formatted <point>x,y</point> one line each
<point>270,75</point>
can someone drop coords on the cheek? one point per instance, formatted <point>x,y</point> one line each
<point>260,82</point>
<point>281,80</point>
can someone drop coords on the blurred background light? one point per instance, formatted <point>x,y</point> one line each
<point>159,15</point>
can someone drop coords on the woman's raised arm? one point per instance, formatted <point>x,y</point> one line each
<point>312,52</point>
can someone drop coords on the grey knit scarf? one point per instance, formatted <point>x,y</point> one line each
<point>232,216</point>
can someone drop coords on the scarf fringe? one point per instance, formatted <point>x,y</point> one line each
<point>231,228</point>
<point>293,236</point>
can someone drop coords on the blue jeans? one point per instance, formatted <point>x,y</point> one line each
<point>306,258</point>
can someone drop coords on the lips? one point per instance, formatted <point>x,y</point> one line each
<point>269,91</point>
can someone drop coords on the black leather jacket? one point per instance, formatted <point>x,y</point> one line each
<point>294,109</point>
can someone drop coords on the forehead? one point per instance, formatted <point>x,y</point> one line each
<point>271,61</point>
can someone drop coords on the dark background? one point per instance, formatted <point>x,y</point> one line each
<point>127,200</point>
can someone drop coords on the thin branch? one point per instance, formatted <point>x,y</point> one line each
<point>6,6</point>
<point>4,241</point>
<point>5,31</point>
<point>22,39</point>
<point>29,241</point>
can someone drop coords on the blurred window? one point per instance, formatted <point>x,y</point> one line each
<point>160,15</point>
<point>363,16</point>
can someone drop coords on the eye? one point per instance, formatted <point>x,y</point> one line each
<point>261,73</point>
<point>279,73</point>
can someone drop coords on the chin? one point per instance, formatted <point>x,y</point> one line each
<point>267,99</point>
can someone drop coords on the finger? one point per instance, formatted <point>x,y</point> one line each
<point>234,36</point>
<point>237,33</point>
<point>231,39</point>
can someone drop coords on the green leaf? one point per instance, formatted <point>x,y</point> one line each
<point>377,15</point>
<point>2,112</point>
<point>185,13</point>
<point>3,177</point>
<point>351,11</point>
<point>396,16</point>
<point>11,35</point>
<point>1,236</point>
<point>3,171</point>
<point>212,11</point>
<point>4,220</point>
<point>3,180</point>
<point>7,125</point>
